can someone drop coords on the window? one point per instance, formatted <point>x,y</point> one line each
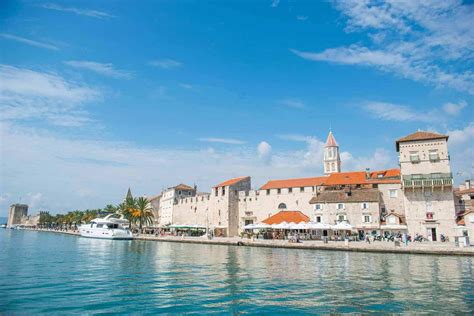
<point>268,192</point>
<point>223,191</point>
<point>340,206</point>
<point>367,219</point>
<point>429,215</point>
<point>302,189</point>
<point>393,193</point>
<point>282,206</point>
<point>429,206</point>
<point>290,190</point>
<point>414,157</point>
<point>179,192</point>
<point>392,220</point>
<point>318,219</point>
<point>318,207</point>
<point>341,217</point>
<point>364,206</point>
<point>434,156</point>
<point>216,192</point>
<point>278,191</point>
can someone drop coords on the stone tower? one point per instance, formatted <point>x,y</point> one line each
<point>16,214</point>
<point>332,160</point>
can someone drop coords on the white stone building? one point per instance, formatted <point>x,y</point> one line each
<point>168,199</point>
<point>427,184</point>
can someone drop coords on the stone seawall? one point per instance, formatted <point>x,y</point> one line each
<point>377,247</point>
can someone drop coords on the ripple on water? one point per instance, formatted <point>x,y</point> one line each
<point>49,273</point>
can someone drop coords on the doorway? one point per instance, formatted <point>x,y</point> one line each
<point>431,234</point>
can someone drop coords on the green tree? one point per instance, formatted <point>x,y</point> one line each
<point>143,213</point>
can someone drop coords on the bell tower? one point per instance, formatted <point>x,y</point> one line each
<point>332,160</point>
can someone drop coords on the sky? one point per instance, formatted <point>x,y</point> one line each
<point>100,96</point>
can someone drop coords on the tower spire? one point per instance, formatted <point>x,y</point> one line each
<point>332,159</point>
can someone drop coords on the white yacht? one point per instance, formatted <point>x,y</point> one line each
<point>108,227</point>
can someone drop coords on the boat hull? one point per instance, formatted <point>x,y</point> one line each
<point>114,234</point>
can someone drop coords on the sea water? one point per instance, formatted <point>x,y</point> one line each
<point>48,273</point>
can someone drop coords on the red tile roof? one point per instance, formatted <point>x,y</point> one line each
<point>183,187</point>
<point>293,183</point>
<point>331,141</point>
<point>231,182</point>
<point>467,191</point>
<point>287,216</point>
<point>420,135</point>
<point>360,177</point>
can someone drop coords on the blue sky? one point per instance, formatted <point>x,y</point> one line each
<point>97,96</point>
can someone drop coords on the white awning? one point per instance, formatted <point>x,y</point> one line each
<point>342,226</point>
<point>312,225</point>
<point>394,227</point>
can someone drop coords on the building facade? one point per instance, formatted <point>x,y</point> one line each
<point>427,184</point>
<point>416,198</point>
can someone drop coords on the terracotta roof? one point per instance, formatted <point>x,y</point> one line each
<point>401,217</point>
<point>183,187</point>
<point>360,177</point>
<point>231,182</point>
<point>293,183</point>
<point>287,216</point>
<point>467,191</point>
<point>331,141</point>
<point>420,135</point>
<point>341,196</point>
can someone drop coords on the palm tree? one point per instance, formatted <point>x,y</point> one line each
<point>142,213</point>
<point>109,208</point>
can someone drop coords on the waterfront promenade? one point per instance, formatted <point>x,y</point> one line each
<point>433,248</point>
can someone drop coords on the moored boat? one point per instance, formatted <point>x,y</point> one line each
<point>108,227</point>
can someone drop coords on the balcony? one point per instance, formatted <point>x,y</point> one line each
<point>428,181</point>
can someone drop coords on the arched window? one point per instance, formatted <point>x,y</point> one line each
<point>282,206</point>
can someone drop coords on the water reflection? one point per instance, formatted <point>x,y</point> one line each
<point>42,273</point>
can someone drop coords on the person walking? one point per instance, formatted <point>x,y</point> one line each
<point>367,238</point>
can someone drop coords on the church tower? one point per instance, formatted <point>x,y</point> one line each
<point>332,160</point>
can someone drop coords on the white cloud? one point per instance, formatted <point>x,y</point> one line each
<point>275,3</point>
<point>462,136</point>
<point>354,55</point>
<point>264,150</point>
<point>429,42</point>
<point>229,141</point>
<point>454,108</point>
<point>166,63</point>
<point>106,69</point>
<point>396,112</point>
<point>27,94</point>
<point>380,159</point>
<point>28,41</point>
<point>34,200</point>
<point>84,12</point>
<point>461,149</point>
<point>293,103</point>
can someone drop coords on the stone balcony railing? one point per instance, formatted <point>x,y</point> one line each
<point>428,181</point>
